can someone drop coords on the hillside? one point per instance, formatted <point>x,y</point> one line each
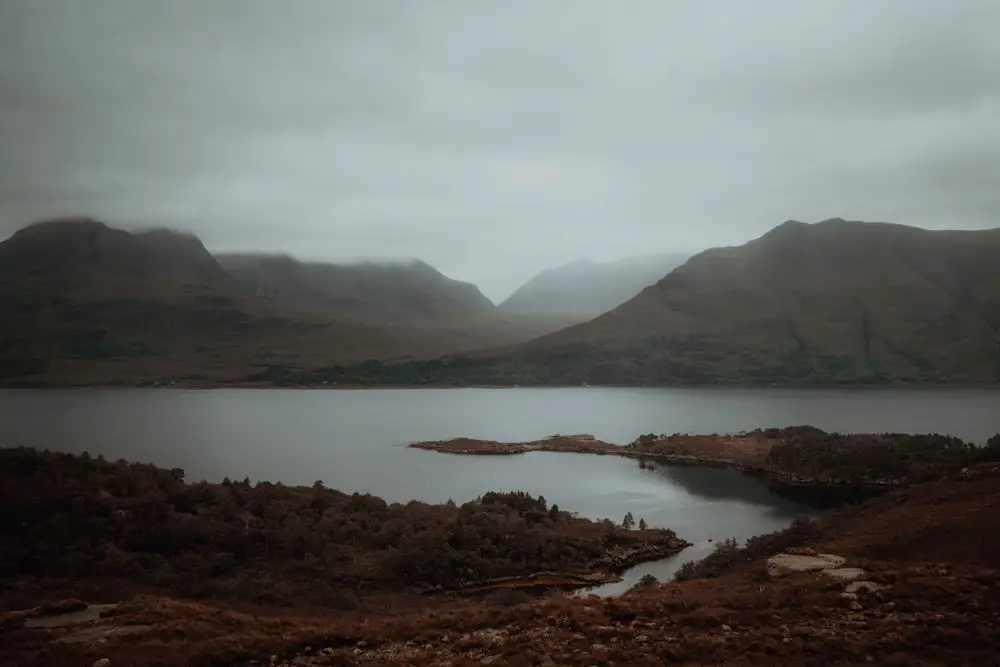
<point>83,303</point>
<point>585,289</point>
<point>834,302</point>
<point>249,574</point>
<point>79,253</point>
<point>389,291</point>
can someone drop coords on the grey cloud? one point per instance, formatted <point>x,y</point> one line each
<point>495,139</point>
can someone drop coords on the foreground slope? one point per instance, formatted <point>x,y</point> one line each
<point>83,303</point>
<point>585,289</point>
<point>934,596</point>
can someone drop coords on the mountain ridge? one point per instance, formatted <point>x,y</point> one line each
<point>830,303</point>
<point>585,289</point>
<point>399,291</point>
<point>85,303</point>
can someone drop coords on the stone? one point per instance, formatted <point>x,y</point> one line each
<point>726,628</point>
<point>845,573</point>
<point>783,564</point>
<point>98,634</point>
<point>103,662</point>
<point>864,585</point>
<point>856,606</point>
<point>91,613</point>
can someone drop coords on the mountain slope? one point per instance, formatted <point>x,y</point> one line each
<point>835,302</point>
<point>77,253</point>
<point>83,303</point>
<point>583,290</point>
<point>395,292</point>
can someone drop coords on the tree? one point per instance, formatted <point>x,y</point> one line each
<point>628,522</point>
<point>642,524</point>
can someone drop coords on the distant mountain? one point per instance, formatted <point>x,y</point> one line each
<point>398,292</point>
<point>585,289</point>
<point>83,303</point>
<point>828,303</point>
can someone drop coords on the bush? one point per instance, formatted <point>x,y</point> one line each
<point>646,581</point>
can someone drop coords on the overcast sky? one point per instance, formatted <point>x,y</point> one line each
<point>497,138</point>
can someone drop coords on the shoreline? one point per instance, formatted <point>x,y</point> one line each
<point>242,384</point>
<point>746,453</point>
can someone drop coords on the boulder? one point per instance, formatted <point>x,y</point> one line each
<point>783,564</point>
<point>845,573</point>
<point>857,586</point>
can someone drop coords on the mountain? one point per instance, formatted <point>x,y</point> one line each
<point>411,291</point>
<point>79,253</point>
<point>834,302</point>
<point>84,303</point>
<point>583,290</point>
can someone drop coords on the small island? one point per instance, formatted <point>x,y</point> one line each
<point>800,458</point>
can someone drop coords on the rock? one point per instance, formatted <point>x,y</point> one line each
<point>726,628</point>
<point>489,660</point>
<point>849,595</point>
<point>845,573</point>
<point>358,651</point>
<point>865,585</point>
<point>782,564</point>
<point>103,662</point>
<point>856,606</point>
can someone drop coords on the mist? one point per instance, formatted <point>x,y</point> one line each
<point>496,140</point>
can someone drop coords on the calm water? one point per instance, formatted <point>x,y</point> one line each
<point>355,441</point>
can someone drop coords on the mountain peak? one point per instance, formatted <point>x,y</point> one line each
<point>77,249</point>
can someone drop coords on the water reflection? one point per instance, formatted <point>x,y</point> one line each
<point>722,484</point>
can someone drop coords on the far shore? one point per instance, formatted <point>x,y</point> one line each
<point>238,384</point>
